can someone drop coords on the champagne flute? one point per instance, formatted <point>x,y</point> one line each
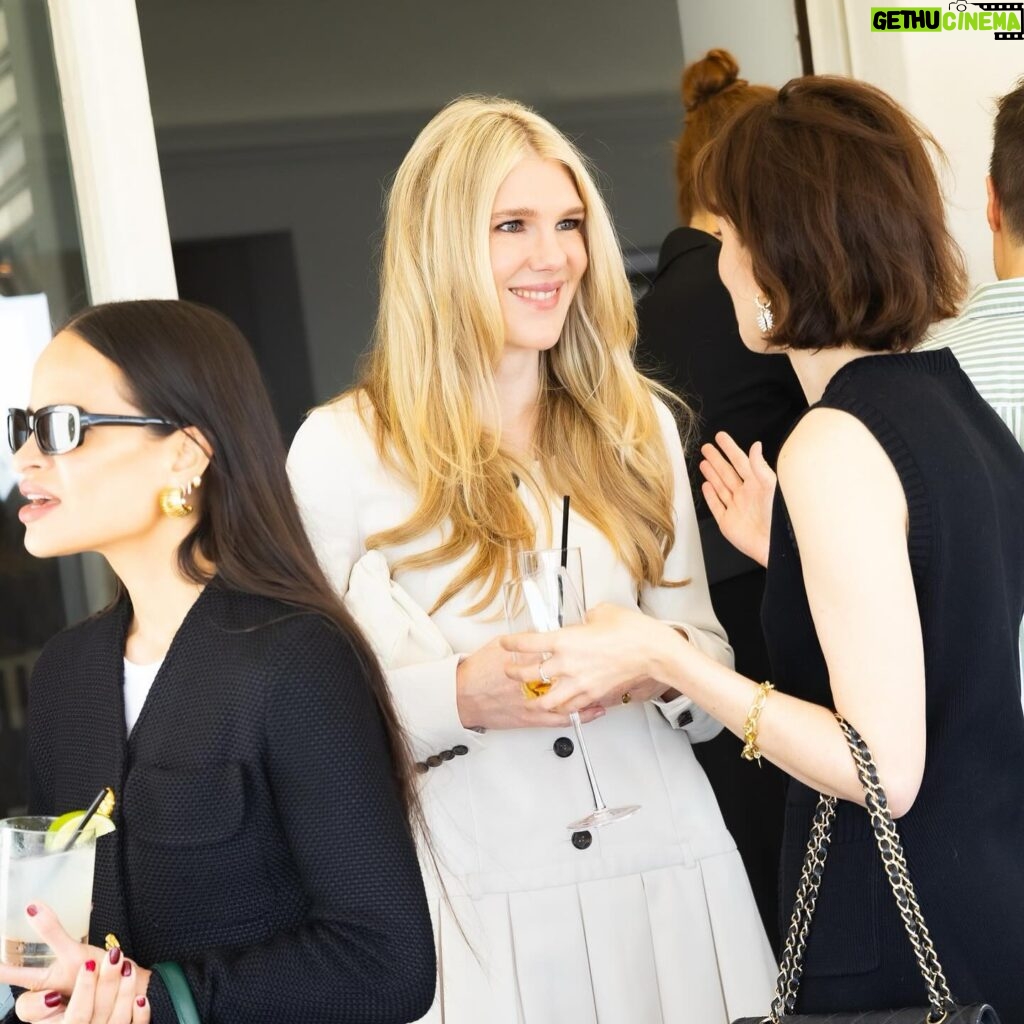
<point>519,620</point>
<point>546,600</point>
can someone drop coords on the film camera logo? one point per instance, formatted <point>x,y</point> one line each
<point>1004,20</point>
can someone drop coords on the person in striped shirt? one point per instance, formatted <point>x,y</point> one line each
<point>988,336</point>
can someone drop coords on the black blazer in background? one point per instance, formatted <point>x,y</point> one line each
<point>260,839</point>
<point>690,341</point>
<point>689,338</point>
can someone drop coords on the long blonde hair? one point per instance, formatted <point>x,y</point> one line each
<point>440,335</point>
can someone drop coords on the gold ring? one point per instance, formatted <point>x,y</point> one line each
<point>110,942</point>
<point>626,697</point>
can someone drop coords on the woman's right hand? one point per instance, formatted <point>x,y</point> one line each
<point>488,698</point>
<point>83,985</point>
<point>739,490</point>
<point>102,994</point>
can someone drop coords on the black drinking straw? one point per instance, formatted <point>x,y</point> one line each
<point>565,531</point>
<point>86,818</point>
<point>565,557</point>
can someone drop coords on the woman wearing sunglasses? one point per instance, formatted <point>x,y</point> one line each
<point>263,868</point>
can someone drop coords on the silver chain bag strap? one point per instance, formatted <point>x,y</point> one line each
<point>941,1008</point>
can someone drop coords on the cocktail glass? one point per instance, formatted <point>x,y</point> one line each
<point>34,868</point>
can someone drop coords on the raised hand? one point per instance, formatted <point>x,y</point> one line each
<point>739,490</point>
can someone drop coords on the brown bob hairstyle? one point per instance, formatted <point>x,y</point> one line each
<point>831,190</point>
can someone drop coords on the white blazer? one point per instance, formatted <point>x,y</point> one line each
<point>649,920</point>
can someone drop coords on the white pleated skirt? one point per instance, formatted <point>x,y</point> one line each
<point>675,945</point>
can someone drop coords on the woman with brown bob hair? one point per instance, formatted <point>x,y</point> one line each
<point>894,547</point>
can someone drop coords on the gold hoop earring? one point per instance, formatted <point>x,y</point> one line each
<point>174,500</point>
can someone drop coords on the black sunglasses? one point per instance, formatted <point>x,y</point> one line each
<point>59,428</point>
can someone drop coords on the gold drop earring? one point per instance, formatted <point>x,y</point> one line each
<point>174,500</point>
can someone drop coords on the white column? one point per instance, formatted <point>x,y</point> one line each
<point>125,240</point>
<point>830,45</point>
<point>127,246</point>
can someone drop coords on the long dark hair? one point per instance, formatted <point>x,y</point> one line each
<point>190,365</point>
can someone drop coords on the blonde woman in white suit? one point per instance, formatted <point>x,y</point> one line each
<point>501,379</point>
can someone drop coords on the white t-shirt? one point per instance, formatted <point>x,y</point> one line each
<point>137,681</point>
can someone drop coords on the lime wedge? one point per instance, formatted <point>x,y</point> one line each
<point>62,829</point>
<point>60,822</point>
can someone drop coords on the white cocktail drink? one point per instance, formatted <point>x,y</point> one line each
<point>33,868</point>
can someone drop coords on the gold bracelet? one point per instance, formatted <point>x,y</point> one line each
<point>750,749</point>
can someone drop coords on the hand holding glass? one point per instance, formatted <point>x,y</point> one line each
<point>33,866</point>
<point>542,601</point>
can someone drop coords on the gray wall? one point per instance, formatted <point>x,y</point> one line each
<point>293,116</point>
<point>762,35</point>
<point>324,182</point>
<point>224,61</point>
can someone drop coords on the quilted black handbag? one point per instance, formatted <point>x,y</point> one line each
<point>940,1009</point>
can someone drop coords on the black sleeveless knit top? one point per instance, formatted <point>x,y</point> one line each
<point>962,472</point>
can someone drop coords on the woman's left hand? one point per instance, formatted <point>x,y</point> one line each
<point>739,490</point>
<point>68,991</point>
<point>612,653</point>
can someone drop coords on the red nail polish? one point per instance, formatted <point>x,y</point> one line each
<point>114,955</point>
<point>90,965</point>
<point>126,970</point>
<point>141,1001</point>
<point>53,999</point>
<point>31,910</point>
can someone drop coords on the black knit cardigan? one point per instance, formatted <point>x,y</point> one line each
<point>260,842</point>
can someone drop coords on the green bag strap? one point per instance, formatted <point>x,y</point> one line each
<point>181,995</point>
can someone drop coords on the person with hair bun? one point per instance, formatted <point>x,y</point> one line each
<point>690,341</point>
<point>500,380</point>
<point>894,544</point>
